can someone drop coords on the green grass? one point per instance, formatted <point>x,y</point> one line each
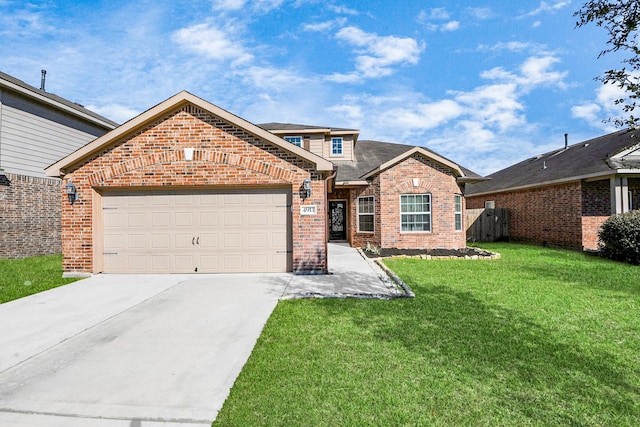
<point>22,277</point>
<point>538,337</point>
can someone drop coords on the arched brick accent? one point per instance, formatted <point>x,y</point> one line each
<point>208,156</point>
<point>407,186</point>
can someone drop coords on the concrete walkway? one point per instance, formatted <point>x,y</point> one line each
<point>351,275</point>
<point>148,350</point>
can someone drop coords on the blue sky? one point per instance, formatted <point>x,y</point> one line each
<point>485,83</point>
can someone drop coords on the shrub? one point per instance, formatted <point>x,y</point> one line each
<point>620,237</point>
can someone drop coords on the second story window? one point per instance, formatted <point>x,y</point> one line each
<point>336,146</point>
<point>295,140</point>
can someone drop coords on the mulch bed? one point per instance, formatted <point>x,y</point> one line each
<point>461,253</point>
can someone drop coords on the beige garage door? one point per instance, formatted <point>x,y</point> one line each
<point>204,232</point>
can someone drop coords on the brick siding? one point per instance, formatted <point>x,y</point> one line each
<point>386,188</point>
<point>30,208</point>
<point>548,215</point>
<point>224,156</point>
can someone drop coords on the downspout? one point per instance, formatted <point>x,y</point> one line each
<point>326,206</point>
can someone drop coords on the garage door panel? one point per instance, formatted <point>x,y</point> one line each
<point>233,218</point>
<point>233,263</point>
<point>184,240</point>
<point>136,241</point>
<point>222,231</point>
<point>160,219</point>
<point>232,241</point>
<point>209,219</point>
<point>137,220</point>
<point>161,241</point>
<point>209,241</point>
<point>257,240</point>
<point>184,219</point>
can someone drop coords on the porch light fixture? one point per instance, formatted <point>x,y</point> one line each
<point>306,188</point>
<point>71,191</point>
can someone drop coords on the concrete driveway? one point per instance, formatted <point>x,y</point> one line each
<point>139,350</point>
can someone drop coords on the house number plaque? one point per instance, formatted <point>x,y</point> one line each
<point>309,210</point>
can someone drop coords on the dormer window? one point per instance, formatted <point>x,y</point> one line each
<point>295,140</point>
<point>336,146</point>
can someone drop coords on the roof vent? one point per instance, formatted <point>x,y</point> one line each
<point>42,79</point>
<point>544,164</point>
<point>566,140</point>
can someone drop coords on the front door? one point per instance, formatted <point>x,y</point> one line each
<point>337,220</point>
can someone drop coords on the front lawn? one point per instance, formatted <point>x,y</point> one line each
<point>22,277</point>
<point>538,337</point>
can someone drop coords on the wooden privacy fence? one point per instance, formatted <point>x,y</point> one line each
<point>487,225</point>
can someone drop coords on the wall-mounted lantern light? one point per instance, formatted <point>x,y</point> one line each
<point>306,188</point>
<point>71,191</point>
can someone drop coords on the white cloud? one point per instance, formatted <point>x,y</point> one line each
<point>426,18</point>
<point>450,26</point>
<point>602,108</point>
<point>438,13</point>
<point>258,5</point>
<point>589,111</point>
<point>271,78</point>
<point>424,116</point>
<point>480,13</point>
<point>535,71</point>
<point>213,42</point>
<point>325,26</point>
<point>516,46</point>
<point>229,4</point>
<point>376,55</point>
<point>343,10</point>
<point>117,112</point>
<point>547,7</point>
<point>25,23</point>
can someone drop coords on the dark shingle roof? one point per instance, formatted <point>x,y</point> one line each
<point>587,158</point>
<point>56,98</point>
<point>371,154</point>
<point>298,127</point>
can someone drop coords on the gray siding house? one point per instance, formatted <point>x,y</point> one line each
<point>36,129</point>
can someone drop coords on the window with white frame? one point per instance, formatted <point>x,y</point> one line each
<point>295,140</point>
<point>415,212</point>
<point>336,146</point>
<point>366,210</point>
<point>458,211</point>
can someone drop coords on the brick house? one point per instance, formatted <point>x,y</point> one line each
<point>189,187</point>
<point>561,198</point>
<point>36,129</point>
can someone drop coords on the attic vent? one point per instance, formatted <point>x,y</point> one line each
<point>586,144</point>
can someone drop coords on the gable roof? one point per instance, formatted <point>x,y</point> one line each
<point>371,157</point>
<point>10,82</point>
<point>597,157</point>
<point>182,98</point>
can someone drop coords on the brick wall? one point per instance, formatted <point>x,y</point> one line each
<point>30,209</point>
<point>224,156</point>
<point>434,179</point>
<point>548,215</point>
<point>596,208</point>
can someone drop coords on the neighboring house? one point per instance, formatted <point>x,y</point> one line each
<point>36,129</point>
<point>189,187</point>
<point>561,198</point>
